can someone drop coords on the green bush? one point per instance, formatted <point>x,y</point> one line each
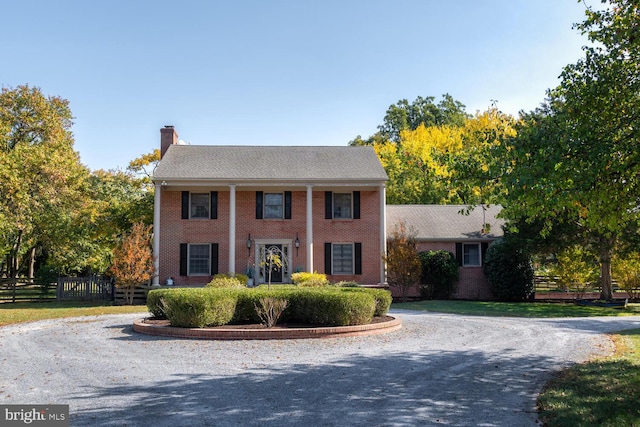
<point>309,280</point>
<point>225,281</point>
<point>197,308</point>
<point>439,274</point>
<point>509,271</point>
<point>347,284</point>
<point>155,304</point>
<point>330,306</point>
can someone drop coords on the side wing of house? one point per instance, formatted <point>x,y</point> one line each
<point>453,228</point>
<point>219,209</point>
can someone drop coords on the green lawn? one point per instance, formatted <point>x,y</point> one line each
<point>27,312</point>
<point>522,309</point>
<point>604,392</point>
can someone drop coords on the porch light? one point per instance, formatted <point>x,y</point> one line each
<point>297,244</point>
<point>249,242</point>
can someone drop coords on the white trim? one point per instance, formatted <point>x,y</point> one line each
<point>260,243</point>
<point>383,233</point>
<point>156,234</point>
<point>309,262</point>
<point>232,229</point>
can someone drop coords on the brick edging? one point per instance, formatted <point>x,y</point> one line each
<point>221,333</point>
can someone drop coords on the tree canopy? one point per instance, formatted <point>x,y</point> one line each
<point>574,167</point>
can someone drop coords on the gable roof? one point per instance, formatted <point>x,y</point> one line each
<point>281,163</point>
<point>445,222</point>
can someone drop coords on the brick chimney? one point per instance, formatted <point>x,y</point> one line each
<point>168,136</point>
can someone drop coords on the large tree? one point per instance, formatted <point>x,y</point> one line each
<point>403,116</point>
<point>575,165</point>
<point>41,177</point>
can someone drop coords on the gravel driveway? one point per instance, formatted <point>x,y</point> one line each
<point>438,369</point>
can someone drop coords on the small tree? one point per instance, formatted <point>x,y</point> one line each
<point>626,270</point>
<point>272,259</point>
<point>403,263</point>
<point>133,260</point>
<point>577,270</point>
<point>439,274</point>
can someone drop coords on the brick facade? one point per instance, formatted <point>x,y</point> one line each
<point>175,231</point>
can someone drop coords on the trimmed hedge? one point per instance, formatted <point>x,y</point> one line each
<point>197,308</point>
<point>200,307</point>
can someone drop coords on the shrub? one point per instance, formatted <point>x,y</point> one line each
<point>577,269</point>
<point>439,274</point>
<point>382,299</point>
<point>225,281</point>
<point>155,304</point>
<point>309,280</point>
<point>269,310</point>
<point>333,308</point>
<point>509,271</point>
<point>347,284</point>
<point>197,308</point>
<point>626,271</point>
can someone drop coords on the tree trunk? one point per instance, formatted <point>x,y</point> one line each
<point>32,263</point>
<point>605,274</point>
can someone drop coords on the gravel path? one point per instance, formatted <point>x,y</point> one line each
<point>438,369</point>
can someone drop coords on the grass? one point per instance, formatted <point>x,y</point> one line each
<point>603,392</point>
<point>522,309</point>
<point>28,312</point>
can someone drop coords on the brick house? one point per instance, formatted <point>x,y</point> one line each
<point>217,208</point>
<point>447,227</point>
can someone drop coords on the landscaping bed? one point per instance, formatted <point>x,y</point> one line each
<point>316,306</point>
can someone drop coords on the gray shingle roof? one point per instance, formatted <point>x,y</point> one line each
<point>247,163</point>
<point>445,222</point>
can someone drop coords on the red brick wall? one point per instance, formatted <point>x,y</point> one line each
<point>175,231</point>
<point>472,283</point>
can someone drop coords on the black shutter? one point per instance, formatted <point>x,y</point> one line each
<point>327,258</point>
<point>459,253</point>
<point>183,259</point>
<point>358,258</point>
<point>328,205</point>
<point>259,204</point>
<point>214,259</point>
<point>213,201</point>
<point>356,205</point>
<point>185,205</point>
<point>483,251</point>
<point>287,205</point>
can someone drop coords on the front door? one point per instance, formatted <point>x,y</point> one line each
<point>276,272</point>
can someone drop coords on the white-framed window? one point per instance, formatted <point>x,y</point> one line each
<point>273,206</point>
<point>199,205</point>
<point>471,255</point>
<point>342,205</point>
<point>342,259</point>
<point>199,259</point>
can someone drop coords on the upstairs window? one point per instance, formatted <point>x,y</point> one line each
<point>273,206</point>
<point>199,205</point>
<point>342,205</point>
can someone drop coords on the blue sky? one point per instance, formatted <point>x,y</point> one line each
<point>281,72</point>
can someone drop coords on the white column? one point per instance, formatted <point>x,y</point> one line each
<point>309,232</point>
<point>232,229</point>
<point>156,235</point>
<point>383,233</point>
